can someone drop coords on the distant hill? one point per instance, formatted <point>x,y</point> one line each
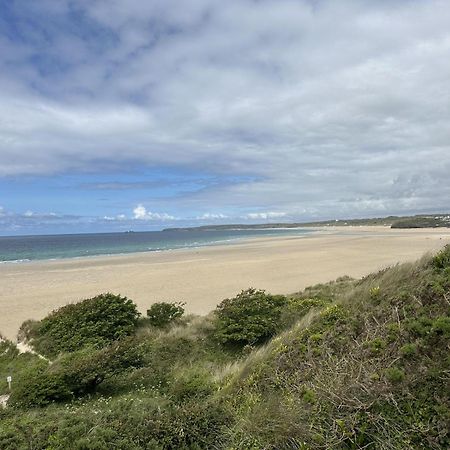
<point>417,221</point>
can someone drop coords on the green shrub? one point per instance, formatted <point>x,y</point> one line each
<point>74,374</point>
<point>408,350</point>
<point>442,259</point>
<point>95,322</point>
<point>441,326</point>
<point>426,327</point>
<point>12,363</point>
<point>249,318</point>
<point>394,374</point>
<point>161,314</point>
<point>309,396</point>
<point>296,308</point>
<point>376,346</point>
<point>37,386</point>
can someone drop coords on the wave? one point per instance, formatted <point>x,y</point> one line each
<point>15,261</point>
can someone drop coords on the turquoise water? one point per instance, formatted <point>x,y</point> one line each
<point>31,248</point>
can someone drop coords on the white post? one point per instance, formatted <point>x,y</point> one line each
<point>9,379</point>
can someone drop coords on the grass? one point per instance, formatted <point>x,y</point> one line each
<point>355,364</point>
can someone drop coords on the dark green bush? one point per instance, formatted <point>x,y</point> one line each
<point>442,259</point>
<point>92,322</point>
<point>74,374</point>
<point>395,374</point>
<point>12,363</point>
<point>376,346</point>
<point>249,318</point>
<point>124,423</point>
<point>408,350</point>
<point>161,314</point>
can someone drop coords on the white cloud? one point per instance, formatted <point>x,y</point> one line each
<point>141,213</point>
<point>331,107</point>
<point>211,216</point>
<point>119,217</point>
<point>265,215</point>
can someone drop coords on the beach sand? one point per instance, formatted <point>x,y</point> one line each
<point>203,277</point>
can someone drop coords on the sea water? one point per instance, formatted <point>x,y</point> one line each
<point>17,249</point>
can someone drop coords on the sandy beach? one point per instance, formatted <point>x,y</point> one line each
<point>203,277</point>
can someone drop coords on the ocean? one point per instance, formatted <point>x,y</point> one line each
<point>22,249</point>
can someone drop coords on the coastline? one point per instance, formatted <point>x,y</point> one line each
<point>85,249</point>
<point>205,275</point>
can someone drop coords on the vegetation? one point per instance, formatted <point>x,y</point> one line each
<point>250,318</point>
<point>418,221</point>
<point>351,364</point>
<point>74,374</point>
<point>437,221</point>
<point>11,363</point>
<point>161,314</point>
<point>93,322</point>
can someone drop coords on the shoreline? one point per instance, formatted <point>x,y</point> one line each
<point>312,230</point>
<point>220,242</point>
<point>205,275</point>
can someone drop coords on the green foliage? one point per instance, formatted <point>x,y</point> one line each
<point>309,396</point>
<point>12,363</point>
<point>161,314</point>
<point>249,318</point>
<point>356,370</point>
<point>94,322</point>
<point>408,350</point>
<point>375,293</point>
<point>74,374</point>
<point>296,308</point>
<point>395,374</point>
<point>192,383</point>
<point>421,222</point>
<point>430,328</point>
<point>377,345</point>
<point>378,371</point>
<point>442,259</point>
<point>130,422</point>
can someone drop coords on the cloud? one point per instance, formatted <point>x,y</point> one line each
<point>28,214</point>
<point>141,213</point>
<point>265,215</point>
<point>212,216</point>
<point>329,108</point>
<point>119,217</point>
<point>29,222</point>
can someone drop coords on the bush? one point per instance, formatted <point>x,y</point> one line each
<point>395,374</point>
<point>408,350</point>
<point>296,308</point>
<point>95,322</point>
<point>12,363</point>
<point>74,374</point>
<point>442,259</point>
<point>249,318</point>
<point>161,314</point>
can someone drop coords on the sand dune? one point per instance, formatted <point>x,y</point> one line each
<point>203,277</point>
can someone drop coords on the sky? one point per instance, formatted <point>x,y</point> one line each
<point>130,115</point>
